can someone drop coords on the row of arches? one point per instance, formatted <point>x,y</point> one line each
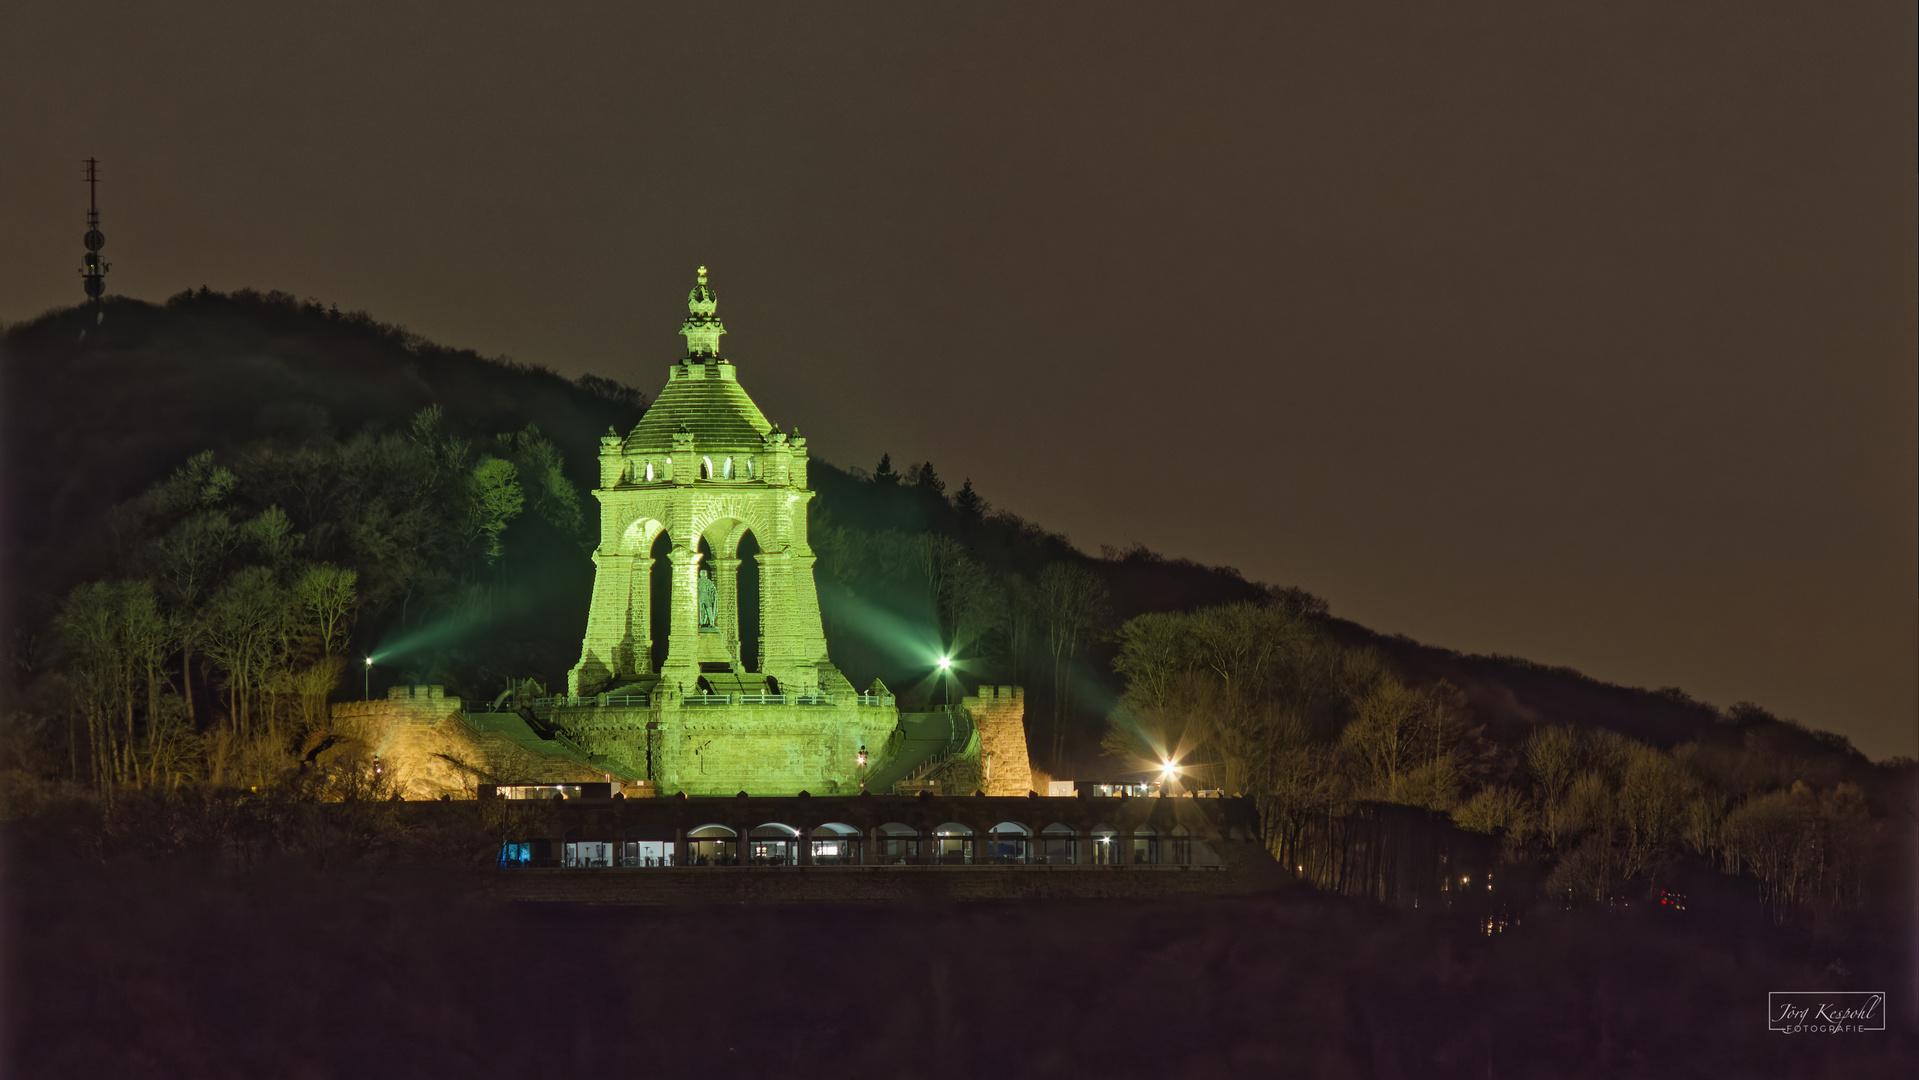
<point>1008,843</point>
<point>725,468</point>
<point>737,592</point>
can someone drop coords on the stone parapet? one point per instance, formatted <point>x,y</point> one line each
<point>723,749</point>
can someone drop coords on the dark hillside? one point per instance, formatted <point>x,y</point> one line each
<point>1512,696</point>
<point>96,413</point>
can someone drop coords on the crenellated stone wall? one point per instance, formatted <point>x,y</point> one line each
<point>999,714</point>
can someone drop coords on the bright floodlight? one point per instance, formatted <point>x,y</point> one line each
<point>1169,769</point>
<point>369,661</point>
<point>946,663</point>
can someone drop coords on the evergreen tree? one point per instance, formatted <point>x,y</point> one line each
<point>884,474</point>
<point>927,480</point>
<point>969,504</point>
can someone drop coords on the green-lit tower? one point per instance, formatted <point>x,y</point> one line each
<point>704,469</point>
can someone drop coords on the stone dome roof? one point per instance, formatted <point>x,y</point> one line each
<point>703,398</point>
<point>702,394</point>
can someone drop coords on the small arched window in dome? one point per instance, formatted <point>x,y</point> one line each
<point>751,472</point>
<point>726,469</point>
<point>706,468</point>
<point>649,470</point>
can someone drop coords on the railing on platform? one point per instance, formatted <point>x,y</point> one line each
<point>876,700</point>
<point>636,701</point>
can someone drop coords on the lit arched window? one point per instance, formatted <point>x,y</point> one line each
<point>751,472</point>
<point>706,468</point>
<point>726,469</point>
<point>649,470</point>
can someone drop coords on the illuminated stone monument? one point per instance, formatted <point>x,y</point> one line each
<point>704,667</point>
<point>701,473</point>
<point>704,469</point>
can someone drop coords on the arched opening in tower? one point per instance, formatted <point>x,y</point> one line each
<point>659,598</point>
<point>749,602</point>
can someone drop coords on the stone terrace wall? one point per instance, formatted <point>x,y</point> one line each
<point>419,735</point>
<point>872,884</point>
<point>1216,825</point>
<point>999,712</point>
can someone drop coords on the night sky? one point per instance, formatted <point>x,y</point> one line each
<point>1581,332</point>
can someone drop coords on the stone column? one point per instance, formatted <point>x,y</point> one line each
<point>683,643</point>
<point>605,625</point>
<point>794,640</point>
<point>726,578</point>
<point>776,612</point>
<point>639,615</point>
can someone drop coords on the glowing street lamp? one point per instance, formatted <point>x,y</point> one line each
<point>1168,772</point>
<point>946,674</point>
<point>366,687</point>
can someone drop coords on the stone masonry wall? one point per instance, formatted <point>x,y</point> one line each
<point>999,712</point>
<point>417,729</point>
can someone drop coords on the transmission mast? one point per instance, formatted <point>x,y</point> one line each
<point>93,270</point>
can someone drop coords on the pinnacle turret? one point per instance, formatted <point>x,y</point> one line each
<point>702,327</point>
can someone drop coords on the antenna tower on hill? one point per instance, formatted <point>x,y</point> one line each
<point>93,270</point>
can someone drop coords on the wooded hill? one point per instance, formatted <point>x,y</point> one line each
<point>470,577</point>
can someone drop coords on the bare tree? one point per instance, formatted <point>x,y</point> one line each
<point>1073,602</point>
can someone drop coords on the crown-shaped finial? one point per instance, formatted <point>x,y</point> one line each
<point>702,327</point>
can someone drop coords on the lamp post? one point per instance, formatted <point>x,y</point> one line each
<point>366,684</point>
<point>946,673</point>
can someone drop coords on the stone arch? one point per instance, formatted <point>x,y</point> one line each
<point>835,843</point>
<point>1057,842</point>
<point>648,844</point>
<point>659,599</point>
<point>712,845</point>
<point>953,843</point>
<point>774,844</point>
<point>1178,846</point>
<point>1143,849</point>
<point>732,541</point>
<point>638,537</point>
<point>1009,842</point>
<point>722,525</point>
<point>896,843</point>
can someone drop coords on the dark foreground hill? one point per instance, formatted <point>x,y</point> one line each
<point>149,969</point>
